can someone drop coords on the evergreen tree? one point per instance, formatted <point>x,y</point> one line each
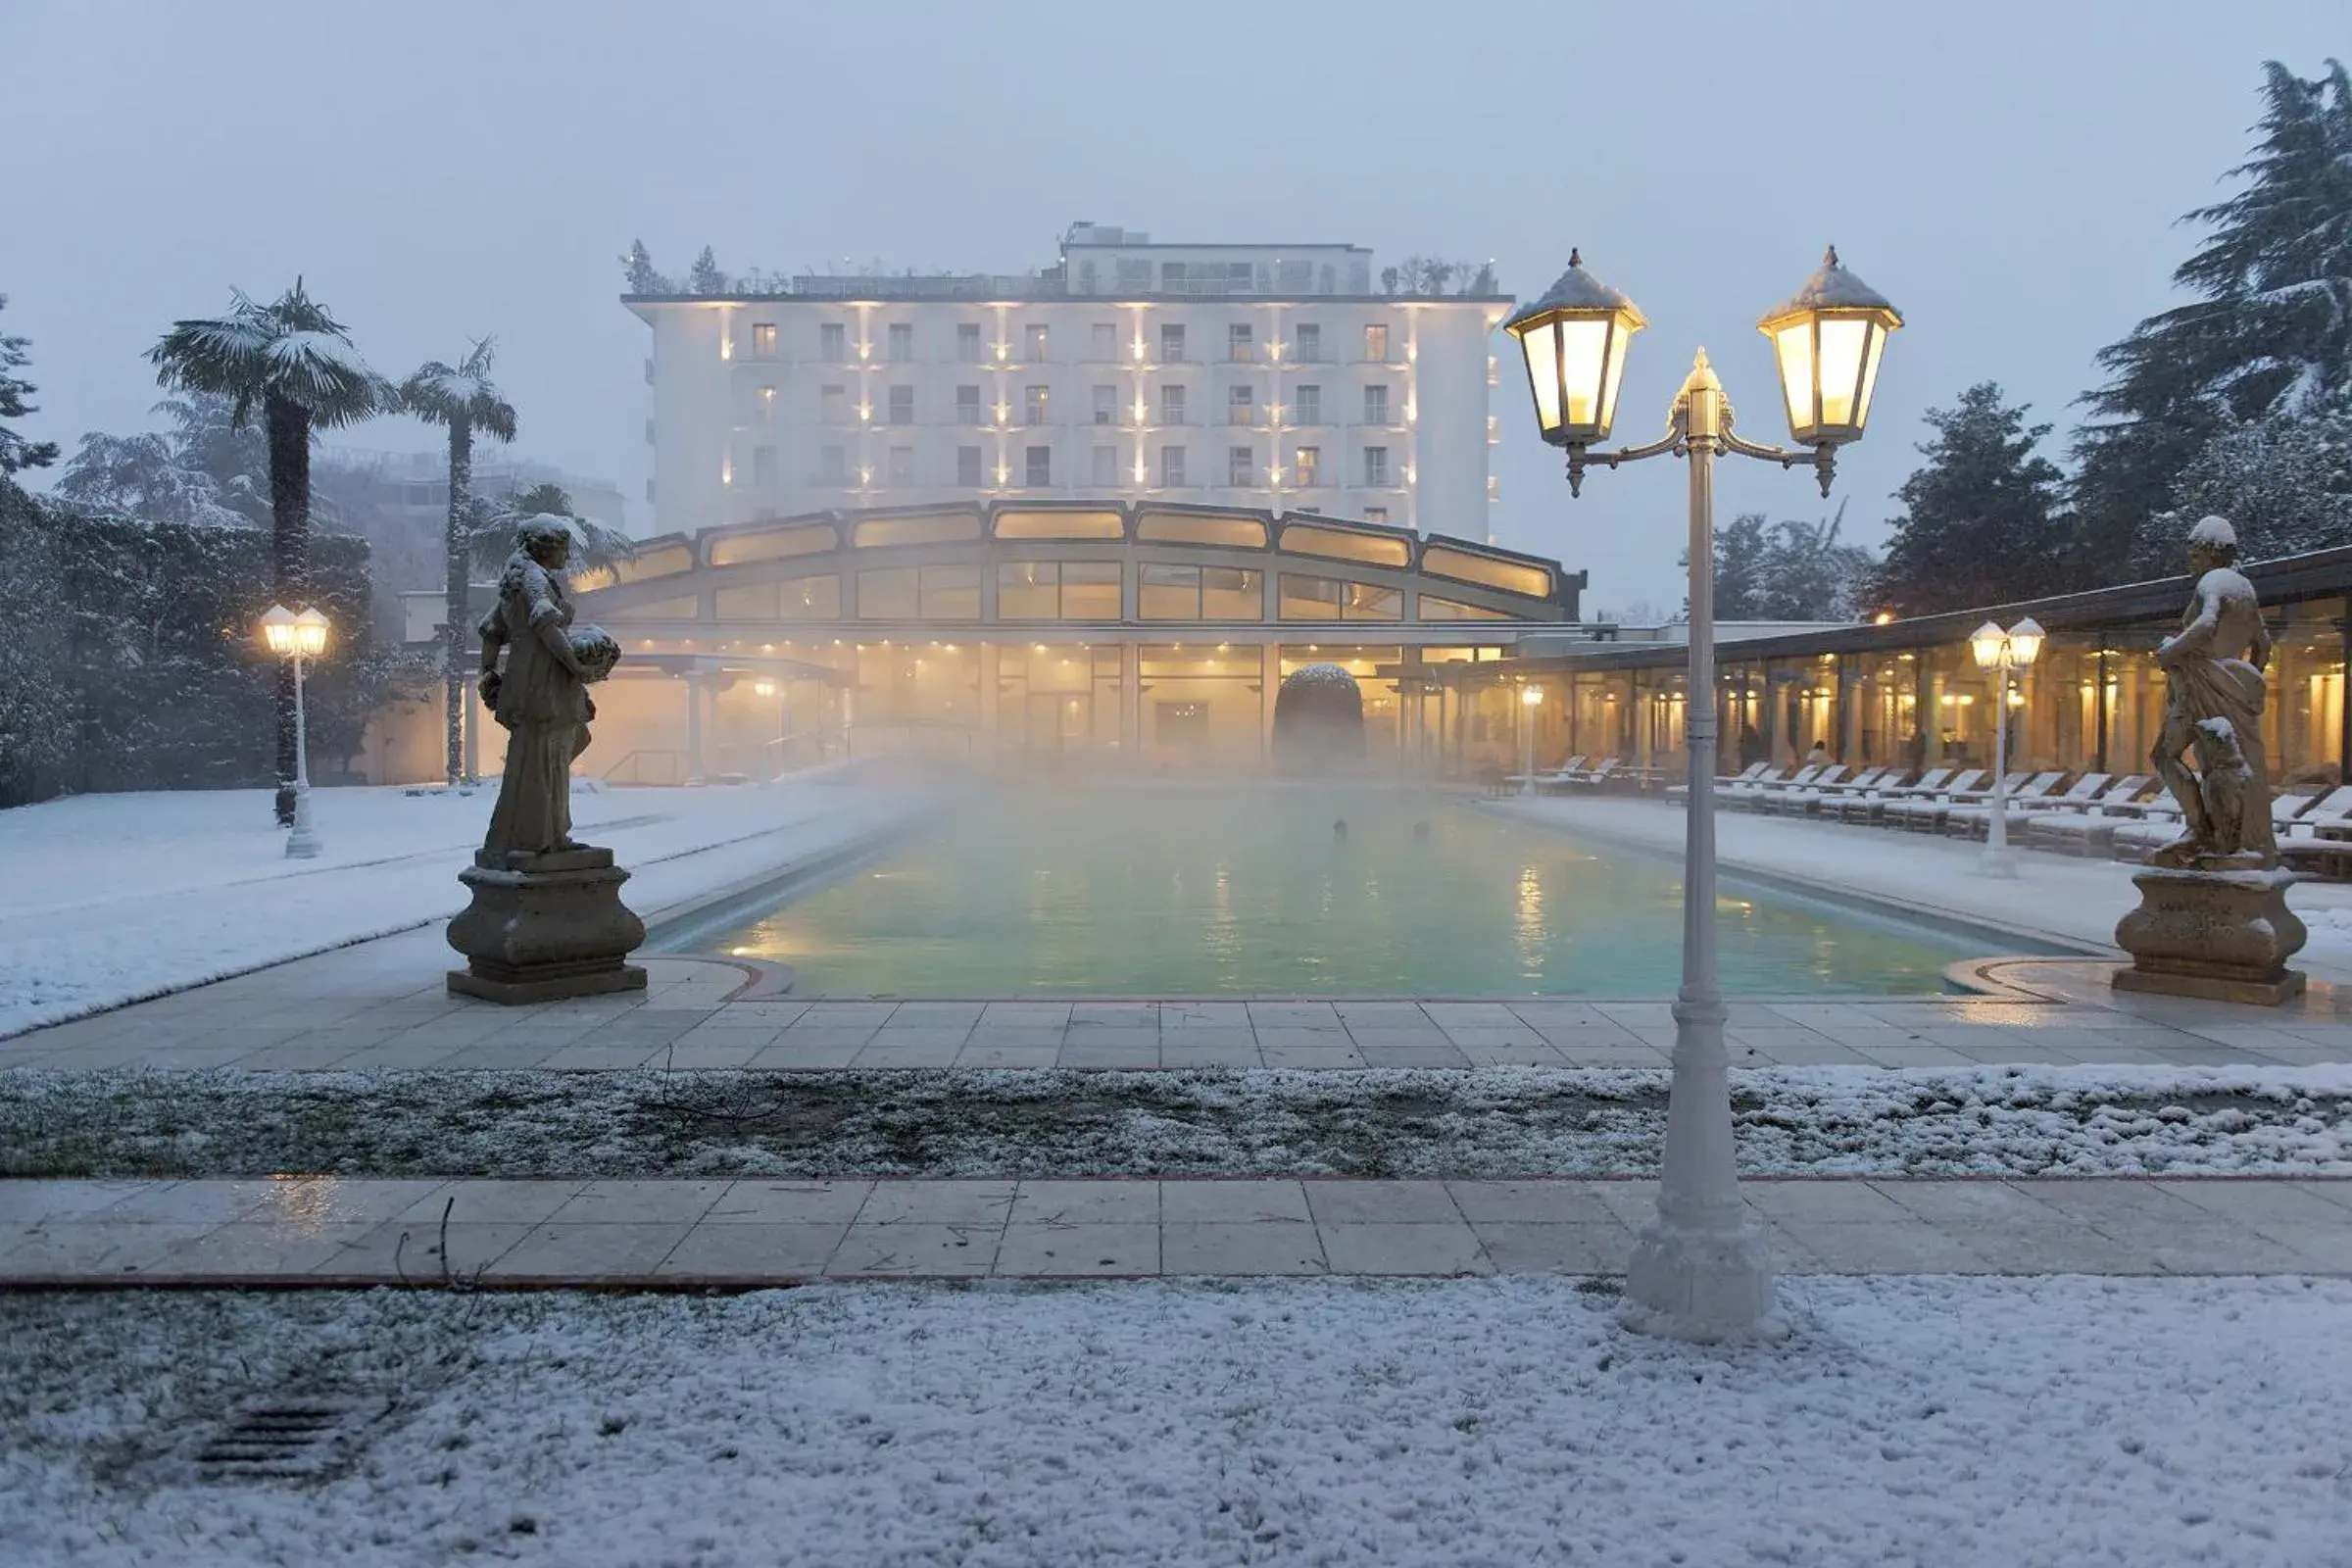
<point>460,401</point>
<point>1740,551</point>
<point>2269,331</point>
<point>2285,483</point>
<point>707,278</point>
<point>15,453</point>
<point>642,279</point>
<point>295,359</point>
<point>1808,574</point>
<point>1981,522</point>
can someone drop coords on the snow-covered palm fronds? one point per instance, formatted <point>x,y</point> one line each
<point>291,348</point>
<point>444,394</point>
<point>490,535</point>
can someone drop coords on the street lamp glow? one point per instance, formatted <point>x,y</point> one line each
<point>298,638</point>
<point>2003,651</point>
<point>1828,339</point>
<point>763,688</point>
<point>1701,1269</point>
<point>1574,341</point>
<point>1532,696</point>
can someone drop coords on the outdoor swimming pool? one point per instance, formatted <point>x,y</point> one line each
<point>1174,892</point>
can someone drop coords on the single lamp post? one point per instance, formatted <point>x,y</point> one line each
<point>1531,698</point>
<point>2002,651</point>
<point>299,638</point>
<point>768,688</point>
<point>1700,1269</point>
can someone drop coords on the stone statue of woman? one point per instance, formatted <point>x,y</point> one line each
<point>542,695</point>
<point>2213,697</point>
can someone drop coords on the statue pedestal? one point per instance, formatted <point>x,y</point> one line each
<point>543,927</point>
<point>2225,935</point>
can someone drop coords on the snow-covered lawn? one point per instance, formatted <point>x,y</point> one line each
<point>2055,895</point>
<point>1483,1122</point>
<point>115,896</point>
<point>1955,1422</point>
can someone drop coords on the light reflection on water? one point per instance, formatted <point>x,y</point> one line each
<point>1197,892</point>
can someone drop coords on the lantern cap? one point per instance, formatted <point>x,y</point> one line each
<point>1833,288</point>
<point>1576,290</point>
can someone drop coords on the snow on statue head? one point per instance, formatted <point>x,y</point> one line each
<point>2214,536</point>
<point>544,537</point>
<point>597,651</point>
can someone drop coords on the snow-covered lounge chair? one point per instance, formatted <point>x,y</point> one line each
<point>1801,800</point>
<point>1976,821</point>
<point>1866,805</point>
<point>2084,827</point>
<point>2137,841</point>
<point>1736,795</point>
<point>1592,778</point>
<point>1834,796</point>
<point>1923,812</point>
<point>1542,778</point>
<point>1751,798</point>
<point>1723,781</point>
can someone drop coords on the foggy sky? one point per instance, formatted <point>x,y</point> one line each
<point>2009,173</point>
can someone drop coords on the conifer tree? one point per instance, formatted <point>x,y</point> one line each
<point>1981,522</point>
<point>16,451</point>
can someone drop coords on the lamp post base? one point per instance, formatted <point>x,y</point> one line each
<point>1707,1285</point>
<point>1996,862</point>
<point>301,844</point>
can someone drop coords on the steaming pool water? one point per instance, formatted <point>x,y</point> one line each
<point>1173,892</point>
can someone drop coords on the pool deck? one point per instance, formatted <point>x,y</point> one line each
<point>383,1005</point>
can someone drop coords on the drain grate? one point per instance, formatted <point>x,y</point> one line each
<point>305,1439</point>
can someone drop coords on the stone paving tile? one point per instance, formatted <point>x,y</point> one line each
<point>603,1058</point>
<point>882,1251</point>
<point>1235,1248</point>
<point>1307,1058</point>
<point>27,1202</point>
<point>788,1054</point>
<point>336,1200</point>
<point>754,1253</point>
<point>1533,1054</point>
<point>1516,1247</point>
<point>526,1203</point>
<point>1317,1015</point>
<point>938,1202</point>
<point>1085,1203</point>
<point>1905,1246</point>
<point>1115,1016</point>
<point>1382,1202</point>
<point>1139,1055</point>
<point>1078,1251</point>
<point>1823,1202</point>
<point>777,1201</point>
<point>89,1250</point>
<point>244,1249</point>
<point>1176,1050</point>
<point>1553,1202</point>
<point>2259,1203</point>
<point>2327,1249</point>
<point>209,1202</point>
<point>1247,1200</point>
<point>1412,1248</point>
<point>635,1202</point>
<point>1825,1054</point>
<point>410,1249</point>
<point>566,1251</point>
<point>1024,1054</point>
<point>1439,1054</point>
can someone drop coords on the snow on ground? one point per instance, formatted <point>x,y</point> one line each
<point>116,897</point>
<point>2055,895</point>
<point>1958,1422</point>
<point>1478,1122</point>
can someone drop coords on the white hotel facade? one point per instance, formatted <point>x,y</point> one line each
<point>1272,376</point>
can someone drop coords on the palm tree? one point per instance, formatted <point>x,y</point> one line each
<point>463,400</point>
<point>296,361</point>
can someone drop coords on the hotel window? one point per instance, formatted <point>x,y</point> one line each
<point>901,343</point>
<point>902,466</point>
<point>902,405</point>
<point>833,466</point>
<point>968,343</point>
<point>967,406</point>
<point>1171,276</point>
<point>1167,593</point>
<point>832,342</point>
<point>1376,513</point>
<point>764,467</point>
<point>1241,467</point>
<point>1363,601</point>
<point>1375,405</point>
<point>1307,343</point>
<point>1104,337</point>
<point>763,405</point>
<point>1171,405</point>
<point>1028,590</point>
<point>809,599</point>
<point>951,593</point>
<point>1107,405</point>
<point>1231,593</point>
<point>1309,408</point>
<point>1241,406</point>
<point>1106,468</point>
<point>764,340</point>
<point>967,467</point>
<point>1171,467</point>
<point>1376,466</point>
<point>1033,403</point>
<point>833,405</point>
<point>1171,345</point>
<point>1090,590</point>
<point>1238,344</point>
<point>1376,343</point>
<point>1310,467</point>
<point>1033,343</point>
<point>1310,598</point>
<point>888,593</point>
<point>1038,467</point>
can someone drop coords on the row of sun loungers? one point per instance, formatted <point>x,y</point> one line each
<point>2085,815</point>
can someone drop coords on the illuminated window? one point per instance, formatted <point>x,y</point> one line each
<point>764,340</point>
<point>1033,343</point>
<point>1376,343</point>
<point>1376,513</point>
<point>1241,406</point>
<point>889,593</point>
<point>1057,590</point>
<point>951,593</point>
<point>1310,598</point>
<point>1033,403</point>
<point>763,405</point>
<point>1310,467</point>
<point>1238,343</point>
<point>1167,593</point>
<point>1232,593</point>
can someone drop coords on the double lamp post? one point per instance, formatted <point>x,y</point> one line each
<point>1699,1270</point>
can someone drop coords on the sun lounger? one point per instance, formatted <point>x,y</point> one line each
<point>2086,828</point>
<point>1924,813</point>
<point>2137,841</point>
<point>1866,805</point>
<point>1748,799</point>
<point>1746,775</point>
<point>1799,799</point>
<point>1976,821</point>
